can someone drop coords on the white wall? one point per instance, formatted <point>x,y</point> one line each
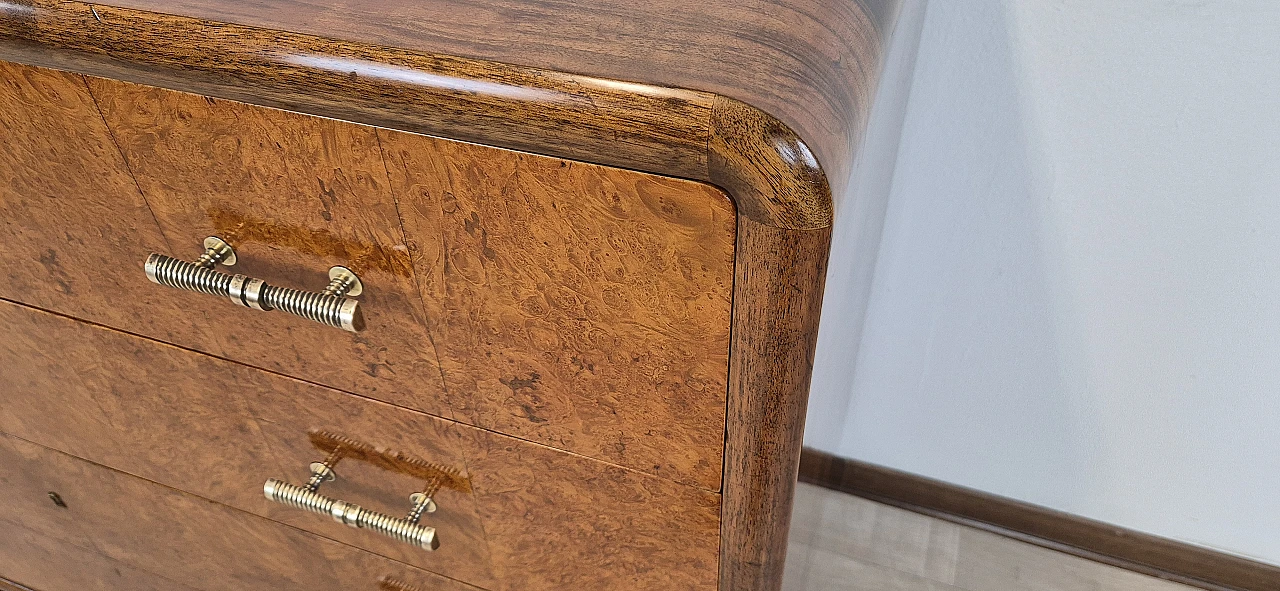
<point>1076,301</point>
<point>856,239</point>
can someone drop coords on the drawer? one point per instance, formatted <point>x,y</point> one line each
<point>34,560</point>
<point>157,532</point>
<point>534,518</point>
<point>577,306</point>
<point>220,430</point>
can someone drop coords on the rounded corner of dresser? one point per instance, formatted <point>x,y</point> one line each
<point>770,170</point>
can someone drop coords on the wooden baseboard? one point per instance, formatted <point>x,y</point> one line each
<point>1086,538</point>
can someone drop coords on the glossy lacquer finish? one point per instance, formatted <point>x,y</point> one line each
<point>767,100</point>
<point>812,64</point>
<point>139,535</point>
<point>774,174</point>
<point>529,517</point>
<point>561,295</point>
<point>577,306</point>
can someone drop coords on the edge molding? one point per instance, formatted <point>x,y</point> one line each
<point>782,194</point>
<point>1071,534</point>
<point>771,173</point>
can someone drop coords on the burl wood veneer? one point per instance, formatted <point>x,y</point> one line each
<point>70,213</point>
<point>184,538</point>
<point>573,305</point>
<point>536,518</point>
<point>48,564</point>
<point>811,64</point>
<point>220,430</point>
<point>766,101</point>
<point>294,195</point>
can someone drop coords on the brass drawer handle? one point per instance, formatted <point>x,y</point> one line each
<point>406,529</point>
<point>331,306</point>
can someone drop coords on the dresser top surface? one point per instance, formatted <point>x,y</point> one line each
<point>812,64</point>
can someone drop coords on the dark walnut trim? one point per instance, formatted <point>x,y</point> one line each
<point>782,194</point>
<point>775,329</point>
<point>1078,536</point>
<point>772,174</point>
<point>813,64</point>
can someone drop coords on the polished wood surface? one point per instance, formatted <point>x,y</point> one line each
<point>781,94</point>
<point>1131,550</point>
<point>811,64</point>
<point>775,330</point>
<point>219,430</point>
<point>535,516</point>
<point>42,563</point>
<point>294,195</point>
<point>71,218</point>
<point>776,177</point>
<point>577,307</point>
<point>184,538</point>
<point>565,522</point>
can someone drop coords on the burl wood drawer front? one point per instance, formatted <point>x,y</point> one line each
<point>220,430</point>
<point>43,563</point>
<point>536,518</point>
<point>578,306</point>
<point>188,540</point>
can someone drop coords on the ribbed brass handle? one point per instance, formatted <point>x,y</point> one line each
<point>406,529</point>
<point>331,306</point>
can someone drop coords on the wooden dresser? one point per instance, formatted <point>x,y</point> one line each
<point>296,296</point>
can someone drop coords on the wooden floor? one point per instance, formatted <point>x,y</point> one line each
<point>840,542</point>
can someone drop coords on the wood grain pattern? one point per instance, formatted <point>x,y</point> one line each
<point>605,287</point>
<point>763,496</point>
<point>812,64</point>
<point>570,523</point>
<point>658,128</point>
<point>45,564</point>
<point>70,214</point>
<point>570,294</point>
<point>768,169</point>
<point>578,307</point>
<point>192,541</point>
<point>1109,544</point>
<point>650,128</point>
<point>219,430</point>
<point>775,330</point>
<point>294,195</point>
